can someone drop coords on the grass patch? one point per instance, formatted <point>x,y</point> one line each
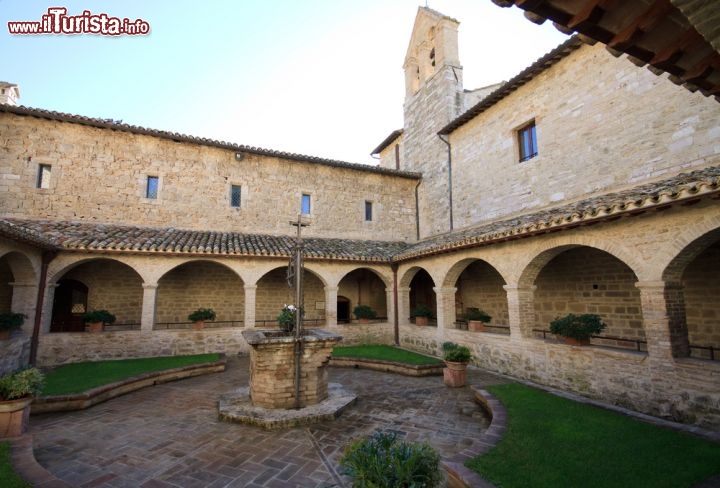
<point>80,377</point>
<point>384,353</point>
<point>551,441</point>
<point>8,477</point>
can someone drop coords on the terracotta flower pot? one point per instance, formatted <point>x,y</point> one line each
<point>14,417</point>
<point>571,341</point>
<point>95,326</point>
<point>199,325</point>
<point>455,374</point>
<point>421,320</point>
<point>476,326</point>
<point>4,334</point>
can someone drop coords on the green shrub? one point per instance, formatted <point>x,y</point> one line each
<point>579,327</point>
<point>456,353</point>
<point>10,320</point>
<point>202,314</point>
<point>421,311</point>
<point>99,316</point>
<point>286,318</point>
<point>473,313</point>
<point>20,384</point>
<point>364,312</point>
<point>382,461</point>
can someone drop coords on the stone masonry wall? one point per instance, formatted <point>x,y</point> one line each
<point>14,352</point>
<point>702,298</point>
<point>602,124</point>
<point>480,286</point>
<point>273,293</point>
<point>96,171</point>
<point>590,281</point>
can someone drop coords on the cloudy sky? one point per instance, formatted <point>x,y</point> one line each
<point>318,77</point>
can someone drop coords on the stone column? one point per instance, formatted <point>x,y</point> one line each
<point>404,305</point>
<point>663,310</point>
<point>389,305</point>
<point>521,310</point>
<point>445,300</point>
<point>46,317</point>
<point>250,305</point>
<point>149,305</point>
<point>331,293</point>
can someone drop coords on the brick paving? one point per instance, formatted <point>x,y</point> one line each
<point>169,435</point>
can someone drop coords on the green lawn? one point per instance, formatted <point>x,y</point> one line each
<point>79,377</point>
<point>385,353</point>
<point>552,442</point>
<point>8,477</point>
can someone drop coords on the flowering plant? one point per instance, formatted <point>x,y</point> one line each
<point>286,318</point>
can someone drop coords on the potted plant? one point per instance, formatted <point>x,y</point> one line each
<point>286,318</point>
<point>456,359</point>
<point>17,390</point>
<point>476,319</point>
<point>364,313</point>
<point>422,314</point>
<point>577,329</point>
<point>199,316</point>
<point>97,319</point>
<point>10,321</point>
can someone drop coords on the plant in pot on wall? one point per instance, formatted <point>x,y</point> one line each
<point>17,391</point>
<point>456,359</point>
<point>199,316</point>
<point>364,313</point>
<point>422,314</point>
<point>97,319</point>
<point>476,319</point>
<point>8,322</point>
<point>577,329</point>
<point>286,318</point>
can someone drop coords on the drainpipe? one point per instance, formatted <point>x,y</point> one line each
<point>396,314</point>
<point>450,185</point>
<point>47,256</point>
<point>417,212</point>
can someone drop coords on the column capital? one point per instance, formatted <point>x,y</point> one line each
<point>329,288</point>
<point>444,289</point>
<point>149,286</point>
<point>18,284</point>
<point>250,287</point>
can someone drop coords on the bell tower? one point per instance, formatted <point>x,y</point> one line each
<point>433,97</point>
<point>9,93</point>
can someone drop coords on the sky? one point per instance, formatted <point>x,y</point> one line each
<point>315,77</point>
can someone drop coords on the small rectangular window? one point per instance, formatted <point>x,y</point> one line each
<point>235,196</point>
<point>305,204</point>
<point>151,190</point>
<point>368,211</point>
<point>43,176</point>
<point>527,142</point>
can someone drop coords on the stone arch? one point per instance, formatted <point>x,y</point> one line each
<point>692,282</point>
<point>479,285</point>
<point>584,279</point>
<point>199,283</point>
<point>111,285</point>
<point>364,286</point>
<point>420,286</point>
<point>18,286</point>
<point>273,293</point>
<point>21,267</point>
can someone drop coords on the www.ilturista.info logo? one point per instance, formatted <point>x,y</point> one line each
<point>56,21</point>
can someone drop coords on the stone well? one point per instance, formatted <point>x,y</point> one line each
<point>272,367</point>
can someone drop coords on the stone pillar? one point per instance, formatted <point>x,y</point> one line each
<point>149,305</point>
<point>24,296</point>
<point>46,317</point>
<point>663,310</point>
<point>389,305</point>
<point>250,305</point>
<point>521,310</point>
<point>331,293</point>
<point>404,305</point>
<point>445,300</point>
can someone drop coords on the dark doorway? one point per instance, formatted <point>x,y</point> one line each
<point>343,310</point>
<point>69,305</point>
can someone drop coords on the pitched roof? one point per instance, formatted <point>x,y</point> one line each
<point>634,201</point>
<point>174,136</point>
<point>86,236</point>
<point>388,140</point>
<point>505,89</point>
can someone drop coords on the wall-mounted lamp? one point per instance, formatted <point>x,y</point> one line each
<point>239,156</point>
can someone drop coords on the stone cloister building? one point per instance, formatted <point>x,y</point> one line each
<point>585,184</point>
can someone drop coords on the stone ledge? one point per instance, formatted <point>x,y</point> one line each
<point>79,401</point>
<point>460,476</point>
<point>27,467</point>
<point>388,366</point>
<point>237,407</point>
